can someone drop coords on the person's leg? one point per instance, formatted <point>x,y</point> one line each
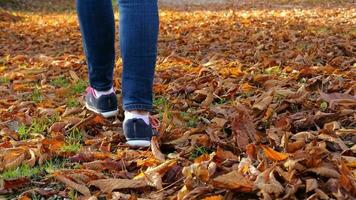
<point>97,25</point>
<point>138,42</point>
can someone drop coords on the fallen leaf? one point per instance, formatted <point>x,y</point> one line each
<point>229,181</point>
<point>155,150</point>
<point>311,184</point>
<point>274,155</point>
<point>80,188</point>
<point>109,185</point>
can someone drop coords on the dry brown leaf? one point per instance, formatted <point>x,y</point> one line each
<point>243,128</point>
<point>324,171</point>
<point>222,155</point>
<point>263,103</point>
<point>13,157</point>
<point>109,185</point>
<point>229,181</point>
<point>80,188</point>
<point>153,175</point>
<point>311,184</point>
<point>220,122</point>
<point>267,183</point>
<point>155,149</point>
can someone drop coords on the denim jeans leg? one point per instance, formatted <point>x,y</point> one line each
<point>97,25</point>
<point>138,42</point>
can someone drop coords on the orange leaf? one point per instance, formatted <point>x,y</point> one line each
<point>274,155</point>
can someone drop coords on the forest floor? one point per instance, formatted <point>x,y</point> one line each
<point>256,101</point>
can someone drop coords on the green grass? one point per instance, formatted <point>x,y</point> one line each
<point>160,102</point>
<point>23,132</point>
<point>36,95</point>
<point>27,171</point>
<point>54,164</point>
<point>21,171</point>
<point>38,126</point>
<point>72,102</point>
<point>4,80</point>
<point>74,142</point>
<point>221,101</point>
<point>60,81</point>
<point>198,151</point>
<point>73,194</point>
<point>323,106</point>
<point>279,98</point>
<point>192,120</point>
<point>79,87</point>
<point>71,147</point>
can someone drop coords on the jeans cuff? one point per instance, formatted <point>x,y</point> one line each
<point>144,107</point>
<point>105,88</point>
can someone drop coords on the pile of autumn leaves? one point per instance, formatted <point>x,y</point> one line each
<point>281,159</point>
<point>261,130</point>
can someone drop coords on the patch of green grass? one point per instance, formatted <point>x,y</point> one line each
<point>72,102</point>
<point>26,171</point>
<point>275,70</point>
<point>247,94</point>
<point>73,142</point>
<point>323,106</point>
<point>21,171</point>
<point>71,147</point>
<point>79,87</point>
<point>266,124</point>
<point>4,80</point>
<point>38,126</point>
<point>36,95</point>
<point>54,164</point>
<point>192,120</point>
<point>198,151</point>
<point>160,102</point>
<point>279,97</point>
<point>73,194</point>
<point>352,31</point>
<point>321,30</point>
<point>221,101</point>
<point>24,132</point>
<point>60,81</point>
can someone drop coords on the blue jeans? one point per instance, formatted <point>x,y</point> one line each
<point>138,32</point>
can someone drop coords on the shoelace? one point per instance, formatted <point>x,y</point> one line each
<point>155,123</point>
<point>90,90</point>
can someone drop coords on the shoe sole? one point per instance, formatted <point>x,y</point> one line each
<point>139,143</point>
<point>105,114</point>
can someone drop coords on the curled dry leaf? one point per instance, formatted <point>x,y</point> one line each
<point>324,171</point>
<point>155,149</point>
<point>264,102</point>
<point>268,184</point>
<point>311,184</point>
<point>153,175</point>
<point>222,155</point>
<point>79,187</point>
<point>13,157</point>
<point>243,128</point>
<point>233,181</point>
<point>109,185</point>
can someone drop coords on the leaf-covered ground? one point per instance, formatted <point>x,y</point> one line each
<point>256,101</point>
